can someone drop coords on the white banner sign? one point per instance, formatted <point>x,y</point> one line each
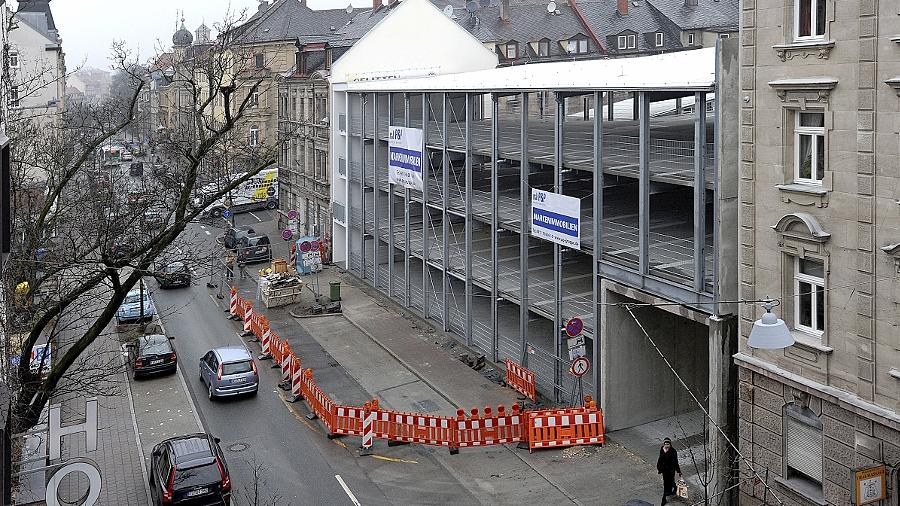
<point>405,157</point>
<point>556,218</point>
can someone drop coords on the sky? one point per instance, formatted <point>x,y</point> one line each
<point>88,27</point>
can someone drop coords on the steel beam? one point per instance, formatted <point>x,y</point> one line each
<point>644,185</point>
<point>469,224</point>
<point>376,234</point>
<point>610,112</point>
<point>598,235</point>
<point>391,203</point>
<point>699,190</point>
<point>407,300</point>
<point>426,213</point>
<point>445,203</point>
<point>495,224</point>
<point>362,182</point>
<point>558,120</point>
<point>525,229</point>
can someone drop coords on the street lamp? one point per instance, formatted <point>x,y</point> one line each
<point>770,332</point>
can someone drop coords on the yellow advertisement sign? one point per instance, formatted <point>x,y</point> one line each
<point>870,485</point>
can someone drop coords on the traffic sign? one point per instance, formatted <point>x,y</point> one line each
<point>270,191</point>
<point>576,347</point>
<point>305,246</point>
<point>314,246</point>
<point>226,213</point>
<point>580,366</point>
<point>292,214</point>
<point>286,234</point>
<point>574,327</point>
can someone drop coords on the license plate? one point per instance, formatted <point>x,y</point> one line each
<point>155,362</point>
<point>239,380</point>
<point>196,492</point>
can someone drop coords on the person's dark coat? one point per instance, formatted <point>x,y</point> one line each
<point>668,462</point>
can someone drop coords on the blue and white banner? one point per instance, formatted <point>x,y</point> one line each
<point>405,157</point>
<point>556,218</point>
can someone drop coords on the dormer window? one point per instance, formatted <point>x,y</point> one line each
<point>690,39</point>
<point>623,42</point>
<point>511,51</point>
<point>659,39</point>
<point>544,48</point>
<point>577,45</point>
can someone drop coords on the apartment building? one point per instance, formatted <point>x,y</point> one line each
<point>820,232</point>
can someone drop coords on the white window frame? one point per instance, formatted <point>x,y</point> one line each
<point>632,41</point>
<point>582,46</point>
<point>13,57</point>
<point>512,50</point>
<point>800,277</point>
<point>623,42</point>
<point>254,136</point>
<point>690,39</point>
<point>14,99</point>
<point>813,21</point>
<point>543,48</point>
<point>254,99</point>
<point>659,39</point>
<point>813,132</point>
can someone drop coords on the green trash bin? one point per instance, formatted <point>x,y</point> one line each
<point>335,291</point>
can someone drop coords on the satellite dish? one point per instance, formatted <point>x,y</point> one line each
<point>471,6</point>
<point>551,7</point>
<point>349,9</point>
<point>448,11</point>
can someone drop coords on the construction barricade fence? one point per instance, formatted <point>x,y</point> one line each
<point>545,428</point>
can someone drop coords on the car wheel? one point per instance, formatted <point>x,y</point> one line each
<point>271,204</point>
<point>209,391</point>
<point>216,212</point>
<point>200,375</point>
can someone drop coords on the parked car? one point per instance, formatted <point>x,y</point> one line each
<point>237,236</point>
<point>131,311</point>
<point>229,370</point>
<point>174,275</point>
<point>189,470</point>
<point>257,248</point>
<point>152,354</point>
<point>136,169</point>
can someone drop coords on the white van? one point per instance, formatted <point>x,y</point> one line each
<point>258,192</point>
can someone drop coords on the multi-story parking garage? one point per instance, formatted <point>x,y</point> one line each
<point>657,208</point>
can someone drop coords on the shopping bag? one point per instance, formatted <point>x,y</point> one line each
<point>681,490</point>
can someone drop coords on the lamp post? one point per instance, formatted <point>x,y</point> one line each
<point>770,332</point>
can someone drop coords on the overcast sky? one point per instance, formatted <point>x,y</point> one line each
<point>88,27</point>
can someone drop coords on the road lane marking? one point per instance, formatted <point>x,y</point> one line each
<point>255,216</point>
<point>298,417</point>
<point>392,459</point>
<point>347,490</point>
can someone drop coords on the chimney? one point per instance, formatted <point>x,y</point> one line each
<point>263,5</point>
<point>622,7</point>
<point>504,10</point>
<point>376,4</point>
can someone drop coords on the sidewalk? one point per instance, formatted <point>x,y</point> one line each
<point>408,365</point>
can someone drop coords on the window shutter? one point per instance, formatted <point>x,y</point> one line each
<point>804,448</point>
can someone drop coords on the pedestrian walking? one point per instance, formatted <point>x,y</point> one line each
<point>229,265</point>
<point>667,466</point>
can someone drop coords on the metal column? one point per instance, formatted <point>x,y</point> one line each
<point>391,254</point>
<point>407,285</point>
<point>362,183</point>
<point>495,226</point>
<point>610,112</point>
<point>558,119</point>
<point>468,231</point>
<point>524,238</point>
<point>426,213</point>
<point>644,186</point>
<point>445,203</point>
<point>699,190</point>
<point>376,232</point>
<point>598,235</point>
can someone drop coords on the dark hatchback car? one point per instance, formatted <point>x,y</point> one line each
<point>239,236</point>
<point>152,354</point>
<point>189,471</point>
<point>174,275</point>
<point>257,248</point>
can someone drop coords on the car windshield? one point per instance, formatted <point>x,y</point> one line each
<point>174,268</point>
<point>155,345</point>
<point>133,298</point>
<point>236,368</point>
<point>200,475</point>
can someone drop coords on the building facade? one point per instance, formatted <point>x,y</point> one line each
<point>820,232</point>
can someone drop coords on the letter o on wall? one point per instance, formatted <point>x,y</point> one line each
<point>93,476</point>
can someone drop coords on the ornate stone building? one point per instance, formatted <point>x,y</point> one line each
<point>820,232</point>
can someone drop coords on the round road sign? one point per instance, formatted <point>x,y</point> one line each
<point>304,246</point>
<point>292,214</point>
<point>314,246</point>
<point>226,213</point>
<point>286,234</point>
<point>574,327</point>
<point>580,366</point>
<point>270,191</point>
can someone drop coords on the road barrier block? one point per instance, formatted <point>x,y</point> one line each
<point>550,428</point>
<point>521,379</point>
<point>490,429</point>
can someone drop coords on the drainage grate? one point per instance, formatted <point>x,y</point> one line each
<point>238,447</point>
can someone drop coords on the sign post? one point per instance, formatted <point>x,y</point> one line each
<point>579,368</point>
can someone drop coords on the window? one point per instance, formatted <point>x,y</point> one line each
<point>582,46</point>
<point>659,39</point>
<point>544,48</point>
<point>254,136</point>
<point>803,448</point>
<point>809,19</point>
<point>260,60</point>
<point>14,96</point>
<point>254,99</point>
<point>13,59</point>
<point>512,50</point>
<point>632,41</point>
<point>724,35</point>
<point>690,39</point>
<point>809,147</point>
<point>577,45</point>
<point>809,296</point>
<point>623,42</point>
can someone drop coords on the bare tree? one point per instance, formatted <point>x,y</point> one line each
<point>257,491</point>
<point>82,236</point>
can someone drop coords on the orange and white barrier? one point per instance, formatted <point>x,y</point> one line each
<point>322,406</point>
<point>490,429</point>
<point>521,379</point>
<point>368,425</point>
<point>248,319</point>
<point>296,378</point>
<point>233,306</point>
<point>265,341</point>
<point>423,429</point>
<point>348,421</point>
<point>286,360</point>
<point>569,428</point>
